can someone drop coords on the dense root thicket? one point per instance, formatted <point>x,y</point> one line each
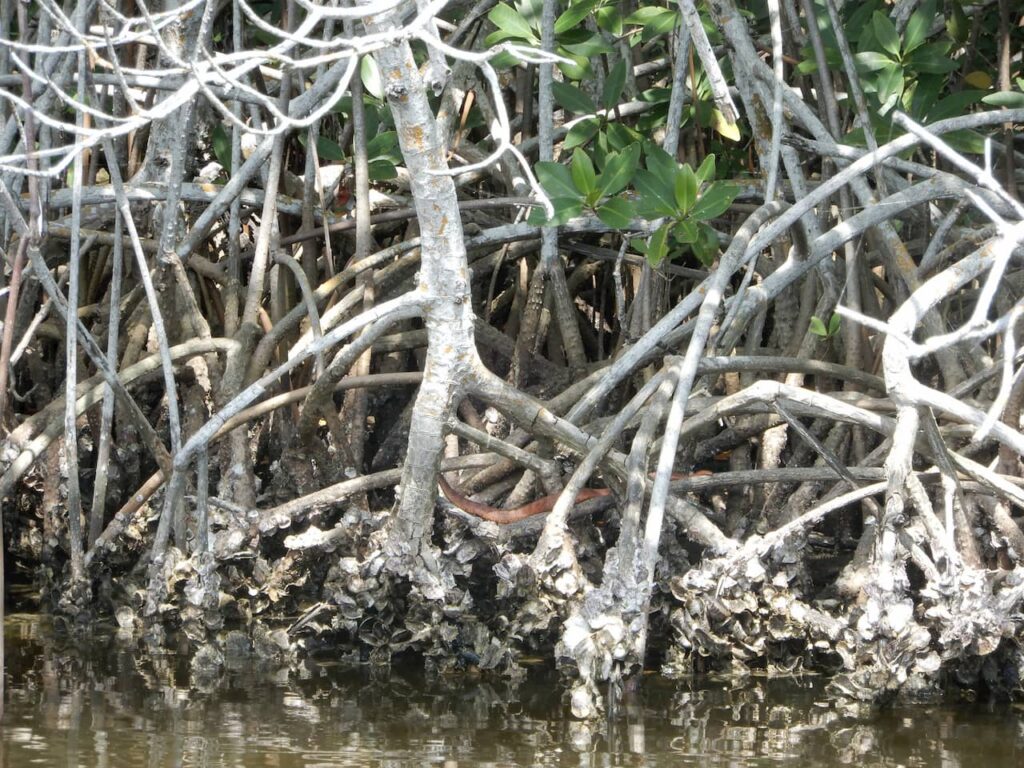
<point>283,259</point>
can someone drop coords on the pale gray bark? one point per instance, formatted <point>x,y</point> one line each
<point>443,288</point>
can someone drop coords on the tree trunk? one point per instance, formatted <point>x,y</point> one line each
<point>443,282</point>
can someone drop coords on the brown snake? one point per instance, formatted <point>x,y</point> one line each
<point>540,506</point>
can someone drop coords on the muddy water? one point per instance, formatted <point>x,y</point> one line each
<point>102,704</point>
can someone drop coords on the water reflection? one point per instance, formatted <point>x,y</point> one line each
<point>103,704</point>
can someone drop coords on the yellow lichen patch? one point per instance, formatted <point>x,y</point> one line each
<point>443,226</point>
<point>416,136</point>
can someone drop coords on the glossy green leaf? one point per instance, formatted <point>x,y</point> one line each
<point>686,232</point>
<point>705,247</point>
<point>583,174</point>
<point>655,95</point>
<point>657,198</point>
<point>657,246</point>
<point>833,324</point>
<point>870,61</point>
<point>614,85</point>
<point>329,150</point>
<point>918,26</point>
<point>932,58</point>
<point>714,201</point>
<point>968,142</point>
<point>685,187</point>
<point>221,140</point>
<point>660,163</point>
<point>621,136</point>
<point>381,170</point>
<point>890,87</point>
<point>957,24</point>
<point>573,99</point>
<point>706,172</point>
<point>953,105</point>
<point>885,33</point>
<point>656,21</point>
<point>565,208</point>
<point>556,180</point>
<point>508,20</point>
<point>609,18</point>
<point>581,133</point>
<point>619,169</point>
<point>381,144</point>
<point>575,14</point>
<point>617,212</point>
<point>576,67</point>
<point>817,327</point>
<point>590,46</point>
<point>858,24</point>
<point>1009,99</point>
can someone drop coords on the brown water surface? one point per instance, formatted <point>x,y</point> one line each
<point>105,704</point>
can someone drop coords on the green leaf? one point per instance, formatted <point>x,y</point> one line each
<point>329,150</point>
<point>589,46</point>
<point>885,33</point>
<point>657,198</point>
<point>966,141</point>
<point>573,16</point>
<point>609,18</point>
<point>870,61</point>
<point>957,24</point>
<point>577,68</point>
<point>655,96</point>
<point>370,75</point>
<point>918,25</point>
<point>858,24</point>
<point>932,58</point>
<point>325,148</point>
<point>582,169</point>
<point>581,132</point>
<point>537,217</point>
<point>890,87</point>
<point>381,144</point>
<point>656,21</point>
<point>381,170</point>
<point>621,136</point>
<point>705,247</point>
<point>556,180</point>
<point>833,324</point>
<point>512,23</point>
<point>617,212</point>
<point>614,85</point>
<point>565,208</point>
<point>685,188</point>
<point>920,95</point>
<point>619,169</point>
<point>817,327</point>
<point>660,163</point>
<point>686,232</point>
<point>573,99</point>
<point>657,246</point>
<point>953,105</point>
<point>1009,99</point>
<point>706,172</point>
<point>221,140</point>
<point>715,201</point>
